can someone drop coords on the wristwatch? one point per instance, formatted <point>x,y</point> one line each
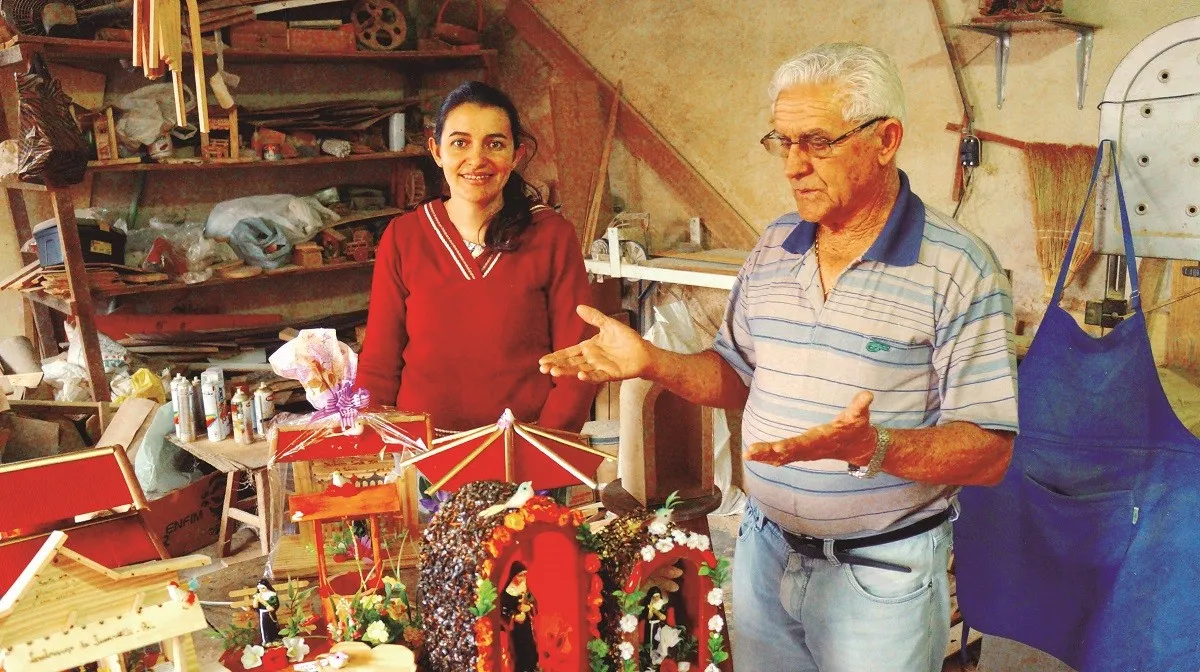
<point>883,439</point>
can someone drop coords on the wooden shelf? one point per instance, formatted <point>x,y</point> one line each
<point>49,300</point>
<point>354,217</point>
<point>236,165</point>
<point>286,271</point>
<point>11,182</point>
<point>67,49</point>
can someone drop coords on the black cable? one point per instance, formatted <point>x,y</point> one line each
<point>1178,96</point>
<point>966,186</point>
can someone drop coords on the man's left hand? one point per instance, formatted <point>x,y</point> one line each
<point>849,437</point>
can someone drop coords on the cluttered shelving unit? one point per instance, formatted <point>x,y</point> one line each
<point>241,177</point>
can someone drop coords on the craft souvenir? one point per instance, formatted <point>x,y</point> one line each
<point>506,585</point>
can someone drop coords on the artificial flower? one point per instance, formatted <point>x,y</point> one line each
<point>679,536</point>
<point>664,545</point>
<point>716,623</point>
<point>626,650</point>
<point>658,527</point>
<point>629,623</point>
<point>697,541</point>
<point>715,597</point>
<point>667,637</point>
<point>647,553</point>
<point>296,647</point>
<point>712,668</point>
<point>377,632</point>
<point>684,667</point>
<point>252,656</point>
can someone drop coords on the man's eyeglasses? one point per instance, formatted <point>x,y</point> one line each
<point>815,146</point>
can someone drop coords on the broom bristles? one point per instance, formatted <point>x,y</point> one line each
<point>1058,180</point>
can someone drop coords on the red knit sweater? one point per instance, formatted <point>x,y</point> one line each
<point>460,337</point>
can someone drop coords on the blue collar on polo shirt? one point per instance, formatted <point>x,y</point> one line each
<point>898,244</point>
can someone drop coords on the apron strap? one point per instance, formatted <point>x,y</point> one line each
<point>1130,261</point>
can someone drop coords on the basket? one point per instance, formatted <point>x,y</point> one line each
<point>454,33</point>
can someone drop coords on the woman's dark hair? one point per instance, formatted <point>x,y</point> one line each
<point>504,233</point>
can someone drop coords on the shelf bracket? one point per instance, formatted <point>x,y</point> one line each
<point>1002,32</point>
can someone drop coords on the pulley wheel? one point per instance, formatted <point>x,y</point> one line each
<point>380,25</point>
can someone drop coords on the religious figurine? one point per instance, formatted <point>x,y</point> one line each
<point>518,609</point>
<point>266,602</point>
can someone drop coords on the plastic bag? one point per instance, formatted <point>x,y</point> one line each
<point>53,151</point>
<point>114,357</point>
<point>157,464</point>
<point>143,384</point>
<point>298,218</point>
<point>149,114</point>
<point>260,243</point>
<point>70,381</point>
<point>673,330</point>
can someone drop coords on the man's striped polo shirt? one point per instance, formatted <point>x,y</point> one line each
<point>923,320</point>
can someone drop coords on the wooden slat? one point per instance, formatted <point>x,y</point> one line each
<point>85,311</point>
<point>579,129</point>
<point>728,227</point>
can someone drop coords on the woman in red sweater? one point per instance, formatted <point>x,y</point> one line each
<point>469,292</point>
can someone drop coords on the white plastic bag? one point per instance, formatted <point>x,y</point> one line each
<point>70,381</point>
<point>148,113</point>
<point>299,218</point>
<point>673,330</point>
<point>157,460</point>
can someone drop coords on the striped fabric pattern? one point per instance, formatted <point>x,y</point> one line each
<point>923,320</point>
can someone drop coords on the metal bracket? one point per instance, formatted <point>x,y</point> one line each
<point>1002,31</point>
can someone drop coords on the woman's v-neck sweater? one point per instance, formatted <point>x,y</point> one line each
<point>459,337</point>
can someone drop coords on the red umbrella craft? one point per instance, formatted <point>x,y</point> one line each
<point>510,451</point>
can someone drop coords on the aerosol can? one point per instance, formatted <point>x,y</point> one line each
<point>181,404</point>
<point>264,409</point>
<point>242,410</point>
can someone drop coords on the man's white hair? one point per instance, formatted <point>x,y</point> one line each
<point>867,78</point>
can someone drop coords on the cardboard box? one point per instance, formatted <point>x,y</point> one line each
<point>189,518</point>
<point>259,36</point>
<point>322,40</point>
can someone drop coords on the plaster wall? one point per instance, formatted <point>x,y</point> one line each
<point>698,71</point>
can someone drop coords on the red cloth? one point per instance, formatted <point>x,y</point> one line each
<point>459,337</point>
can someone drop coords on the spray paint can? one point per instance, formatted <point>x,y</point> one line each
<point>242,411</point>
<point>264,409</point>
<point>212,411</point>
<point>198,408</point>
<point>181,403</point>
<point>216,375</point>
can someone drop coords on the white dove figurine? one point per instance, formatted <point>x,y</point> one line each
<point>523,494</point>
<point>338,479</point>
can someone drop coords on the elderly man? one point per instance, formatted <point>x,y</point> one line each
<point>869,338</point>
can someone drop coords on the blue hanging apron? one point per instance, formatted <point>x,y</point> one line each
<point>1090,548</point>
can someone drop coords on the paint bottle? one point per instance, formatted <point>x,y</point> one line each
<point>264,409</point>
<point>243,417</point>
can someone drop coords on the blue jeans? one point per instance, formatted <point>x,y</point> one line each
<point>798,614</point>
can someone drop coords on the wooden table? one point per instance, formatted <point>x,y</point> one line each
<point>235,460</point>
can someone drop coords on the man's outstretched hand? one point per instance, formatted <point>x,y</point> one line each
<point>616,353</point>
<point>849,436</point>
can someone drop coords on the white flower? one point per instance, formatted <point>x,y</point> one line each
<point>684,667</point>
<point>679,536</point>
<point>715,596</point>
<point>664,545</point>
<point>712,668</point>
<point>296,647</point>
<point>626,650</point>
<point>698,542</point>
<point>252,656</point>
<point>667,637</point>
<point>658,528</point>
<point>629,623</point>
<point>377,632</point>
<point>716,623</point>
<point>647,553</point>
